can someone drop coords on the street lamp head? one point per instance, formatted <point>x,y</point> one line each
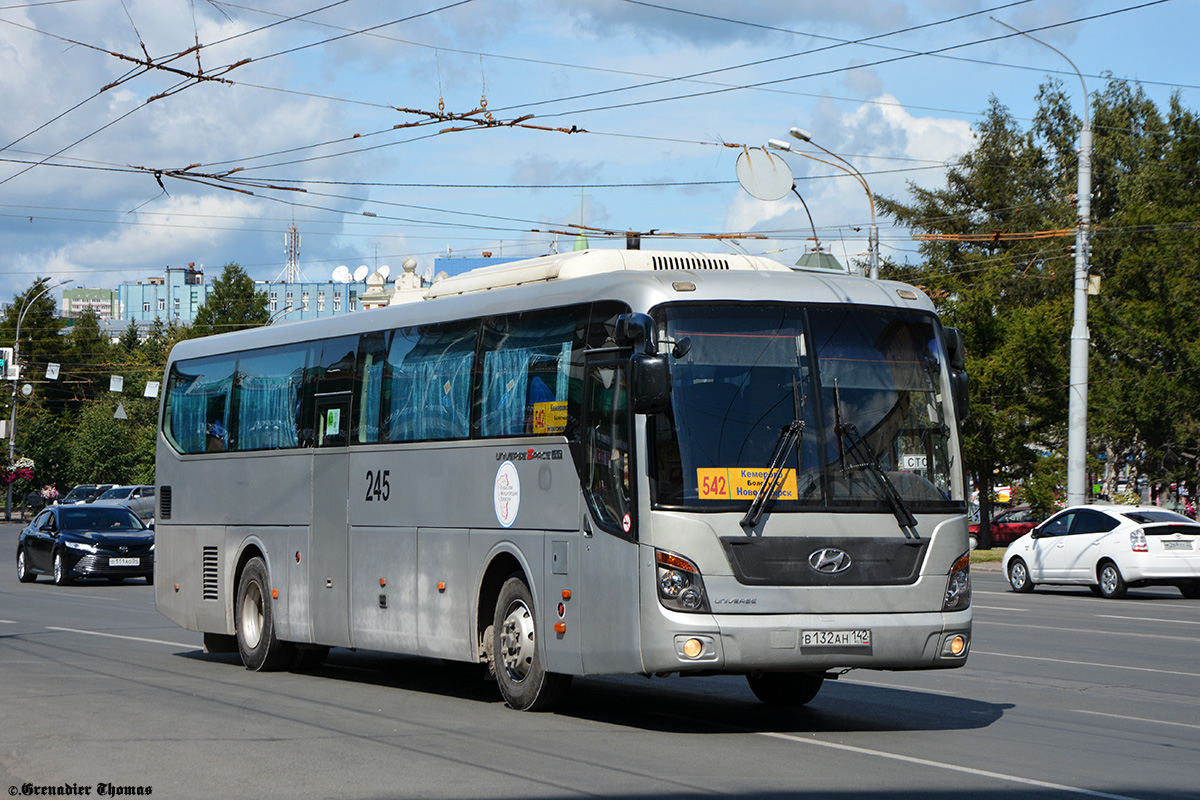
<point>801,134</point>
<point>779,144</point>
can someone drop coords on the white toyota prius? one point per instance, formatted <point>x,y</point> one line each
<point>1108,549</point>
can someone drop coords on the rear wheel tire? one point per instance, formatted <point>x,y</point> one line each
<point>524,683</point>
<point>62,577</point>
<point>1112,585</point>
<point>24,573</point>
<point>220,643</point>
<point>785,689</point>
<point>308,657</point>
<point>254,622</point>
<point>1018,576</point>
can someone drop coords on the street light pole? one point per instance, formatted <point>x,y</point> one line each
<point>849,169</point>
<point>1077,408</point>
<point>12,420</point>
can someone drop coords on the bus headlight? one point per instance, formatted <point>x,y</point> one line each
<point>958,588</point>
<point>680,587</point>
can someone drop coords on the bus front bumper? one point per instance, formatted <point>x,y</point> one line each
<point>739,643</point>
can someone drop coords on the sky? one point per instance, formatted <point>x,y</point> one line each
<point>143,134</point>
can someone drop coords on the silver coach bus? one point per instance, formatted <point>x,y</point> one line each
<point>601,462</point>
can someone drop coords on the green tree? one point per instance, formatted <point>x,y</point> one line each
<point>232,304</point>
<point>1008,297</point>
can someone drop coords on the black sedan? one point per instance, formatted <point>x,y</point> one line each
<point>82,541</point>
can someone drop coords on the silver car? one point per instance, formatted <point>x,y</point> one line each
<point>138,499</point>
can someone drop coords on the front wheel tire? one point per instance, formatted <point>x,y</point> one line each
<point>1112,585</point>
<point>24,573</point>
<point>254,621</point>
<point>785,689</point>
<point>524,683</point>
<point>62,576</point>
<point>1018,576</point>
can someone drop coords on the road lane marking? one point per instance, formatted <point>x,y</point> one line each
<point>1002,608</point>
<point>1138,719</point>
<point>1157,636</point>
<point>129,638</point>
<point>1152,619</point>
<point>8,622</point>
<point>1089,664</point>
<point>924,762</point>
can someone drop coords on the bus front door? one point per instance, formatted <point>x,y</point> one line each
<point>609,555</point>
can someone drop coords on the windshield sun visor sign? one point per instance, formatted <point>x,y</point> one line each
<point>742,483</point>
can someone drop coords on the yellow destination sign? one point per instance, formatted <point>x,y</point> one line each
<point>742,483</point>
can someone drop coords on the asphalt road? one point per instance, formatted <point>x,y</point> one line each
<point>1064,695</point>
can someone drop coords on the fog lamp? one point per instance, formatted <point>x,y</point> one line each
<point>692,648</point>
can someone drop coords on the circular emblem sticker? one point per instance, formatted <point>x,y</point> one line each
<point>507,494</point>
<point>626,523</point>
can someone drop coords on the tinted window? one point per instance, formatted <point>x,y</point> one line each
<point>267,398</point>
<point>1142,517</point>
<point>1058,526</point>
<point>101,518</point>
<point>119,493</point>
<point>1093,522</point>
<point>372,356</point>
<point>197,404</point>
<point>427,383</point>
<point>526,386</point>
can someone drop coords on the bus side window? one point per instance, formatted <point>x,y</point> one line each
<point>266,397</point>
<point>368,394</point>
<point>196,419</point>
<point>527,371</point>
<point>427,383</point>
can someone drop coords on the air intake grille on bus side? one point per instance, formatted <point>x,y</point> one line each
<point>212,572</point>
<point>688,262</point>
<point>164,502</point>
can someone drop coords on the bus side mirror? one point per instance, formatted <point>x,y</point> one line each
<point>649,383</point>
<point>636,331</point>
<point>956,352</point>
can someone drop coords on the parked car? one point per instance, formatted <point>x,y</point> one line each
<point>1108,549</point>
<point>138,499</point>
<point>84,493</point>
<point>1007,526</point>
<point>86,541</point>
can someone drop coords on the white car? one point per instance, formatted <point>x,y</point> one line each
<point>1108,549</point>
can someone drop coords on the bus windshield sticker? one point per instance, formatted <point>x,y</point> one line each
<point>742,483</point>
<point>507,494</point>
<point>333,421</point>
<point>550,417</point>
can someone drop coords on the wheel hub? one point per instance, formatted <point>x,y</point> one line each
<point>517,644</point>
<point>252,615</point>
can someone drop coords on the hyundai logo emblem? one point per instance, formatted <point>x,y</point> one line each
<point>829,561</point>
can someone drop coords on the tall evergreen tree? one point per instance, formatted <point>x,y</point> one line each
<point>232,304</point>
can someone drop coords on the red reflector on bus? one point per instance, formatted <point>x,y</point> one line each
<point>560,627</point>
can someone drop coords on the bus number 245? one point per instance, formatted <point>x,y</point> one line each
<point>378,487</point>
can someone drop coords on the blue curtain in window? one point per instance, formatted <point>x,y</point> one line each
<point>430,398</point>
<point>267,413</point>
<point>368,418</point>
<point>191,425</point>
<point>505,385</point>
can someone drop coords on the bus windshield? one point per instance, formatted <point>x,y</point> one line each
<point>866,385</point>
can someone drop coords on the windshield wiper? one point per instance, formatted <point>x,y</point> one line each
<point>856,447</point>
<point>787,439</point>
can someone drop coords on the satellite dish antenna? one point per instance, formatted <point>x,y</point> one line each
<point>384,271</point>
<point>361,272</point>
<point>410,264</point>
<point>342,274</point>
<point>764,175</point>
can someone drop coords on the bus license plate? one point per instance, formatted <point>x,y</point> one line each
<point>856,638</point>
<point>1183,544</point>
<point>124,562</point>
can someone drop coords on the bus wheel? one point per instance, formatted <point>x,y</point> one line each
<point>255,622</point>
<point>786,689</point>
<point>524,683</point>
